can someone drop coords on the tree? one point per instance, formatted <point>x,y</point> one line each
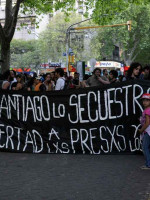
<point>134,45</point>
<point>105,10</point>
<point>25,53</point>
<point>11,15</point>
<point>52,41</point>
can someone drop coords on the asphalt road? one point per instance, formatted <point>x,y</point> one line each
<point>73,177</point>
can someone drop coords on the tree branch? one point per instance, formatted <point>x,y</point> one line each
<point>8,14</point>
<point>133,49</point>
<point>135,56</point>
<point>14,20</point>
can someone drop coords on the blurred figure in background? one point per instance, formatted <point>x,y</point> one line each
<point>113,74</point>
<point>120,78</point>
<point>31,84</point>
<point>19,83</point>
<point>76,81</point>
<point>145,73</point>
<point>105,74</point>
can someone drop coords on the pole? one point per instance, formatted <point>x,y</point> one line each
<point>68,42</point>
<point>90,27</point>
<point>81,28</point>
<point>67,52</point>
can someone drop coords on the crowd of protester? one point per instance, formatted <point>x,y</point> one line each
<point>59,80</point>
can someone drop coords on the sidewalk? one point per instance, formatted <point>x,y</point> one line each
<point>73,177</point>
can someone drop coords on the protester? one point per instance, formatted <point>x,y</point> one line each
<point>49,84</point>
<point>53,77</point>
<point>145,130</point>
<point>96,79</point>
<point>76,81</point>
<point>120,78</point>
<point>134,71</point>
<point>113,74</point>
<point>19,83</point>
<point>31,84</point>
<point>83,82</point>
<point>65,75</point>
<point>60,83</point>
<point>7,80</point>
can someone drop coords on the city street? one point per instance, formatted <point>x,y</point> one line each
<point>73,177</point>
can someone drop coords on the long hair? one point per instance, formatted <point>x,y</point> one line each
<point>133,66</point>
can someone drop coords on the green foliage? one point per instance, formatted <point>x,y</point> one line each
<point>24,53</point>
<point>47,6</point>
<point>105,10</point>
<point>52,42</point>
<point>134,45</point>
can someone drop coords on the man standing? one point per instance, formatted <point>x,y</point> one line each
<point>60,83</point>
<point>96,79</point>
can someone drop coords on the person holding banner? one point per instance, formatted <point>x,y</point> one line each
<point>145,130</point>
<point>96,79</point>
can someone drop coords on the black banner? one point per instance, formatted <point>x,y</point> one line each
<point>92,120</point>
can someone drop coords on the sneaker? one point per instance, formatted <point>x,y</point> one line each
<point>145,167</point>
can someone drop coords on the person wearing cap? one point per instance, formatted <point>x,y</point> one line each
<point>145,130</point>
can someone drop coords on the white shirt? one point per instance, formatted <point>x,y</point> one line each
<point>60,83</point>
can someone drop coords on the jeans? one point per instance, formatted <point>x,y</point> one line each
<point>146,148</point>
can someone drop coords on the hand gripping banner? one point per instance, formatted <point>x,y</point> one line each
<point>91,120</point>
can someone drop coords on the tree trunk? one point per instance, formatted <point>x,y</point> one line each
<point>5,56</point>
<point>7,31</point>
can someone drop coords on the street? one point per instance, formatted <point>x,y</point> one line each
<point>73,177</point>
